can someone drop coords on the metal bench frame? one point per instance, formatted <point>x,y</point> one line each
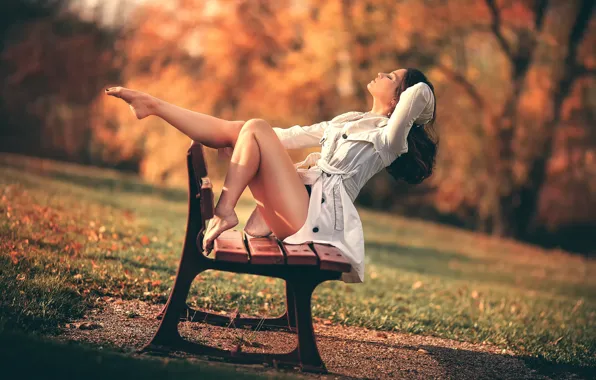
<point>301,281</point>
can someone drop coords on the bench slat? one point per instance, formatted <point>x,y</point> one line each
<point>300,254</point>
<point>331,258</point>
<point>206,198</point>
<point>198,162</point>
<point>264,250</point>
<point>229,246</point>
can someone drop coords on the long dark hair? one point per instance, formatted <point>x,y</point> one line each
<point>418,162</point>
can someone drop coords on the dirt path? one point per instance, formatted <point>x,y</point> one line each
<point>348,352</point>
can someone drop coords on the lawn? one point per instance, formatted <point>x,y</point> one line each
<point>71,235</point>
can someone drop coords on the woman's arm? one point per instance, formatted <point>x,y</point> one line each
<point>416,105</point>
<point>298,137</point>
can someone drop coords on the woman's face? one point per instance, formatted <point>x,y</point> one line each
<point>384,86</point>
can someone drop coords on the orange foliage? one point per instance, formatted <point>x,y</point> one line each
<point>500,70</point>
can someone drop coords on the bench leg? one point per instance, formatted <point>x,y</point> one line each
<point>310,359</point>
<point>167,333</point>
<point>290,307</point>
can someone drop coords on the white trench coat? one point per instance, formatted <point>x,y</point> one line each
<point>354,147</point>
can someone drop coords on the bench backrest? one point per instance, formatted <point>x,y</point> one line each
<point>201,187</point>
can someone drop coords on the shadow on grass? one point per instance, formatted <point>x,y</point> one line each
<point>26,357</point>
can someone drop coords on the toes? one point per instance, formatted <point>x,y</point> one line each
<point>114,91</point>
<point>207,246</point>
<point>205,242</point>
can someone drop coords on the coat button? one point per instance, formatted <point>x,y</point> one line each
<point>323,200</point>
<point>316,229</point>
<point>344,136</point>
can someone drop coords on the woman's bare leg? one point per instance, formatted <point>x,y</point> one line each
<point>208,130</point>
<point>260,156</point>
<point>217,133</point>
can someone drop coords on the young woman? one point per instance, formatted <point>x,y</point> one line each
<point>354,147</point>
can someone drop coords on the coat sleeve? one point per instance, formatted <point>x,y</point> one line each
<point>415,106</point>
<point>298,137</point>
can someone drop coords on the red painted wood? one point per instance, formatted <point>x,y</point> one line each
<point>300,254</point>
<point>229,246</point>
<point>264,250</point>
<point>331,258</point>
<point>198,163</point>
<point>206,198</point>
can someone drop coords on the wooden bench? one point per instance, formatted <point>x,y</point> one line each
<point>303,267</point>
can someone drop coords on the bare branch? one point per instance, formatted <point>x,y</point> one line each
<point>540,12</point>
<point>581,71</point>
<point>496,27</point>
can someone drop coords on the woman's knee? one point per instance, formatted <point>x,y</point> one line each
<point>255,124</point>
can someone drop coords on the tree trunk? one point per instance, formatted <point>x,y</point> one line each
<point>524,215</point>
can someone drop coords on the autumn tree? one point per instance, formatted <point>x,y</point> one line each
<point>539,42</point>
<point>514,83</point>
<point>53,67</point>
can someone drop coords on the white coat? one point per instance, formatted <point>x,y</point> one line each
<point>354,147</point>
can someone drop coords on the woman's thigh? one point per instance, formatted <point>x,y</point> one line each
<point>277,188</point>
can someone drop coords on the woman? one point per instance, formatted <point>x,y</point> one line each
<point>355,146</point>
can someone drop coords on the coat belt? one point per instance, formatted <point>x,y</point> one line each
<point>316,168</point>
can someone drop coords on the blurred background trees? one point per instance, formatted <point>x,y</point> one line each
<point>514,81</point>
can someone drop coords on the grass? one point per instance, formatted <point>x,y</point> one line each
<point>72,234</point>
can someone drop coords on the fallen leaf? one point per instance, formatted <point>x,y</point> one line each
<point>90,326</point>
<point>14,257</point>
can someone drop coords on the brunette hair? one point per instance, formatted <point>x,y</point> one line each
<point>418,162</point>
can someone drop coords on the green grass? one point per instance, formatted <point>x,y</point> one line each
<point>72,234</point>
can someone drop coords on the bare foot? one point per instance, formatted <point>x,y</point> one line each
<point>222,220</point>
<point>256,225</point>
<point>141,104</point>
